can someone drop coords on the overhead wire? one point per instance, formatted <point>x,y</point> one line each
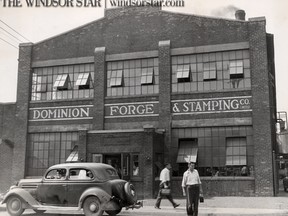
<point>8,43</point>
<point>14,30</point>
<point>11,34</point>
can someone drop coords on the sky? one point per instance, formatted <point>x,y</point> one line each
<point>35,24</point>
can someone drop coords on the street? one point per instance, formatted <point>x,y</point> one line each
<point>139,212</point>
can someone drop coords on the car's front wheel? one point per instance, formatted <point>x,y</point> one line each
<point>14,206</point>
<point>113,212</point>
<point>91,207</point>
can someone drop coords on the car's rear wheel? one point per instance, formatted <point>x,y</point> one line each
<point>92,207</point>
<point>14,206</point>
<point>130,193</point>
<point>113,212</point>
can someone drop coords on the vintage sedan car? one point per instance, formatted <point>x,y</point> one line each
<point>93,187</point>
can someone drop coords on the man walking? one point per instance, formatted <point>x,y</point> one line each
<point>191,186</point>
<point>165,183</point>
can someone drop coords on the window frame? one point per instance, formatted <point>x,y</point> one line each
<point>116,78</point>
<point>183,73</point>
<point>235,151</point>
<point>210,71</point>
<point>236,69</point>
<point>84,82</point>
<point>62,82</point>
<point>147,76</point>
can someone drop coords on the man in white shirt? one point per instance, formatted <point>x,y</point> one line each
<point>165,183</point>
<point>191,185</point>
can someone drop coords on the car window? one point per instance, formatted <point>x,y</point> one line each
<point>111,172</point>
<point>56,174</point>
<point>80,174</point>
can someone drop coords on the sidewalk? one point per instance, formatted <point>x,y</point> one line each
<point>215,206</point>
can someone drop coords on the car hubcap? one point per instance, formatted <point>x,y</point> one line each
<point>15,205</point>
<point>93,207</point>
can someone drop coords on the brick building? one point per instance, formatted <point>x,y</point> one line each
<point>143,86</point>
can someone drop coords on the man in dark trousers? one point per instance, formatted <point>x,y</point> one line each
<point>165,183</point>
<point>191,186</point>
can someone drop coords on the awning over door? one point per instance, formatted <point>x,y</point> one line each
<point>187,152</point>
<point>73,157</point>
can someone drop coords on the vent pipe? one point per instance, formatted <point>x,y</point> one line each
<point>240,15</point>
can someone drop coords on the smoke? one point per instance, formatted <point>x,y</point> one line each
<point>226,12</point>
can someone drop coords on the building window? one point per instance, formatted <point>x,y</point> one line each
<point>209,71</point>
<point>183,73</point>
<point>116,78</point>
<point>236,69</point>
<point>215,71</point>
<point>62,82</point>
<point>139,77</point>
<point>187,152</point>
<point>147,76</point>
<point>236,151</point>
<point>215,151</point>
<point>84,81</point>
<point>47,149</point>
<point>135,165</point>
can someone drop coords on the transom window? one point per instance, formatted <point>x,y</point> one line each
<point>116,78</point>
<point>147,76</point>
<point>236,69</point>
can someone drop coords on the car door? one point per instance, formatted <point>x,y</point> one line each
<point>79,179</point>
<point>53,189</point>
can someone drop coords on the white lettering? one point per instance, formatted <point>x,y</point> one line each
<point>149,109</point>
<point>141,109</point>
<point>36,114</point>
<point>113,109</point>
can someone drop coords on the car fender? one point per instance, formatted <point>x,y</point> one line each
<point>23,194</point>
<point>103,196</point>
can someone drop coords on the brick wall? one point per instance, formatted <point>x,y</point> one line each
<point>140,30</point>
<point>261,109</point>
<point>22,107</point>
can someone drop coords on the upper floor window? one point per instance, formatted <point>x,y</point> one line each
<point>209,71</point>
<point>116,78</point>
<point>215,71</point>
<point>183,73</point>
<point>62,82</point>
<point>236,69</point>
<point>84,81</point>
<point>133,77</point>
<point>147,75</point>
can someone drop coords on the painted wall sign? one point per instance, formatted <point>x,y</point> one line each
<point>212,105</point>
<point>136,109</point>
<point>60,113</point>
